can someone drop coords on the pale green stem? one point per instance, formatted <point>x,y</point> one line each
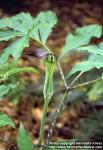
<point>16,71</point>
<point>44,46</point>
<point>62,75</point>
<point>56,116</point>
<point>85,84</point>
<point>27,69</point>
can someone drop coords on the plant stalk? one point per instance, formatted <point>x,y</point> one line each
<point>56,117</point>
<point>85,84</point>
<point>62,75</point>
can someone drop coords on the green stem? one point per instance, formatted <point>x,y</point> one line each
<point>85,84</point>
<point>44,46</point>
<point>62,75</point>
<point>23,69</point>
<point>43,122</point>
<point>63,100</point>
<point>56,117</point>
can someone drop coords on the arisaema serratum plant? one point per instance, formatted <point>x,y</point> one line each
<point>21,29</point>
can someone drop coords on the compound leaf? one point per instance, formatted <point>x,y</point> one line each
<point>19,25</point>
<point>10,69</point>
<point>22,22</point>
<point>15,49</point>
<point>5,120</point>
<point>5,88</point>
<point>81,37</point>
<point>87,65</point>
<point>97,50</point>
<point>7,71</point>
<point>7,35</point>
<point>43,24</point>
<point>82,66</point>
<point>95,57</point>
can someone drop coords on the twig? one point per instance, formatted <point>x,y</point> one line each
<point>58,111</point>
<point>84,84</point>
<point>77,77</point>
<point>62,75</point>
